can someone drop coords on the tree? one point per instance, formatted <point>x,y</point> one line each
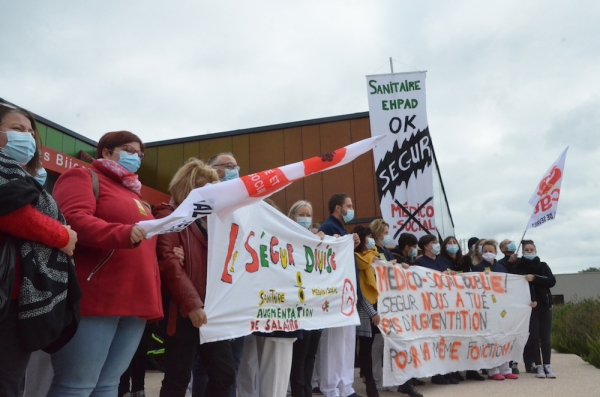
<point>590,270</point>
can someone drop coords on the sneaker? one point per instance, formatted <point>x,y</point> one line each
<point>474,375</point>
<point>451,380</point>
<point>409,388</point>
<point>510,375</point>
<point>316,390</point>
<point>532,369</point>
<point>138,394</point>
<point>548,371</point>
<point>539,372</point>
<point>515,368</point>
<point>417,382</point>
<point>496,377</point>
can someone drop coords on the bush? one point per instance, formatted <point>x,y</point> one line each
<point>576,329</point>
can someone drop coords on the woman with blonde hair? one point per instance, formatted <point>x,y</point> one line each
<point>184,291</point>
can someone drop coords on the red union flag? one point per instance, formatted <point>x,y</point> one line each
<point>546,195</point>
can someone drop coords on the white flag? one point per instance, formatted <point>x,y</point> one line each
<point>546,195</point>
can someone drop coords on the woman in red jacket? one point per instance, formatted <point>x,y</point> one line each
<point>184,287</point>
<point>116,267</point>
<point>41,311</point>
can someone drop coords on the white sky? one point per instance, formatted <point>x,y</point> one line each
<point>510,85</point>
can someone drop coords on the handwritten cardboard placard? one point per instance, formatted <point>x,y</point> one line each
<point>435,323</point>
<point>267,273</point>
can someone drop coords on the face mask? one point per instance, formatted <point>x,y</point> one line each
<point>387,241</point>
<point>370,243</point>
<point>480,249</point>
<point>41,176</point>
<point>349,216</point>
<point>452,249</point>
<point>131,162</point>
<point>304,221</point>
<point>529,256</point>
<point>230,174</point>
<point>20,146</point>
<point>413,253</point>
<point>511,246</point>
<point>435,249</point>
<point>488,256</point>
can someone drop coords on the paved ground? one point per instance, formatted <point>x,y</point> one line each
<point>576,378</point>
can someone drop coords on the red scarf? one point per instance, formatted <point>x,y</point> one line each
<point>117,172</point>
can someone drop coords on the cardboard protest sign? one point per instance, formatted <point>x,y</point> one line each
<point>546,195</point>
<point>267,273</point>
<point>435,323</point>
<point>403,160</point>
<point>226,197</point>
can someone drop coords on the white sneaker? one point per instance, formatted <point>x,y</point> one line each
<point>549,373</point>
<point>540,372</point>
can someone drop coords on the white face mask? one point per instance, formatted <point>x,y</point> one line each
<point>370,244</point>
<point>488,256</point>
<point>435,249</point>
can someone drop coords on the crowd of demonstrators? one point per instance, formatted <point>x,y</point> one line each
<point>124,284</point>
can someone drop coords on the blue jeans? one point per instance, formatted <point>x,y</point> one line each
<point>92,363</point>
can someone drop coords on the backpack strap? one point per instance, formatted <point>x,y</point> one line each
<point>95,183</point>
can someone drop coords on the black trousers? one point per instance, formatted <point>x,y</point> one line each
<point>136,372</point>
<point>13,358</point>
<point>180,348</point>
<point>540,329</point>
<point>303,362</point>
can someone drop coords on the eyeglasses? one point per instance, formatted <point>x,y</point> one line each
<point>131,150</point>
<point>229,166</point>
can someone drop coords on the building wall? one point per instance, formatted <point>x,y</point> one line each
<point>577,285</point>
<point>261,150</point>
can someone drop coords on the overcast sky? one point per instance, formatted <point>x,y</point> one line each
<point>510,84</point>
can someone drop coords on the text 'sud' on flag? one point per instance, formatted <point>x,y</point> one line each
<point>546,195</point>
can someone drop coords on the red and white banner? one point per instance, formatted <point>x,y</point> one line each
<point>225,197</point>
<point>435,323</point>
<point>267,273</point>
<point>546,195</point>
<point>404,159</point>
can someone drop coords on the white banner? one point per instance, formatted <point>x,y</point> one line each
<point>546,195</point>
<point>403,160</point>
<point>434,323</point>
<point>267,273</point>
<point>226,197</point>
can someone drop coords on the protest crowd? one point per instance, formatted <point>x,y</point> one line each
<point>96,332</point>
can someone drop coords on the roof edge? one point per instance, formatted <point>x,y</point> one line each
<point>57,127</point>
<point>293,124</point>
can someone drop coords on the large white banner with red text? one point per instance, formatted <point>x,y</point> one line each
<point>546,195</point>
<point>403,160</point>
<point>226,197</point>
<point>435,323</point>
<point>267,273</point>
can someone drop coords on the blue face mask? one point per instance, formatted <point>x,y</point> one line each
<point>511,246</point>
<point>230,174</point>
<point>349,216</point>
<point>131,162</point>
<point>435,249</point>
<point>370,243</point>
<point>41,176</point>
<point>529,256</point>
<point>452,249</point>
<point>20,146</point>
<point>304,221</point>
<point>413,253</point>
<point>387,241</point>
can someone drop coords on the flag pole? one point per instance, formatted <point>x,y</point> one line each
<point>517,251</point>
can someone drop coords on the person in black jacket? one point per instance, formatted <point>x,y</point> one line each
<point>451,251</point>
<point>541,280</point>
<point>406,251</point>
